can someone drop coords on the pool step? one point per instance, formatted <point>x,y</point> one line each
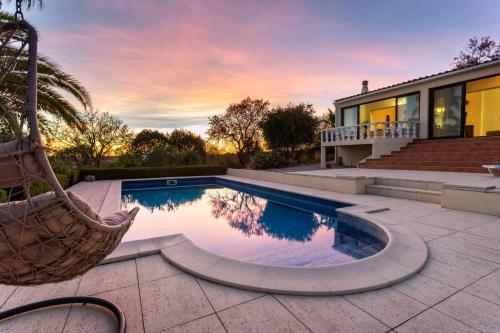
<point>409,193</point>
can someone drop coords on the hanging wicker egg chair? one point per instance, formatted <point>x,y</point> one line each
<point>54,236</point>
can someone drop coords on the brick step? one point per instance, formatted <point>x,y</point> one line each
<point>458,140</point>
<point>443,156</point>
<point>425,168</point>
<point>460,155</point>
<point>430,161</point>
<point>457,148</point>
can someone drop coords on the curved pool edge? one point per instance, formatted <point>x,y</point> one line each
<point>404,256</point>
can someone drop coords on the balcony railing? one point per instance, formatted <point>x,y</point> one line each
<point>368,131</point>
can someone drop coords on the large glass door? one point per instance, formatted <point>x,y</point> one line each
<point>447,109</point>
<point>350,116</point>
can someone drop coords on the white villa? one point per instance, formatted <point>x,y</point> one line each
<point>461,106</point>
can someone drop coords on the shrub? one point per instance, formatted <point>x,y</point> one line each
<point>268,160</point>
<point>42,187</point>
<point>3,195</point>
<point>152,172</point>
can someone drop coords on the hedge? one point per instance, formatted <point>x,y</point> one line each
<point>152,172</point>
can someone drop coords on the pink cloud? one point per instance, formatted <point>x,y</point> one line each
<point>195,58</point>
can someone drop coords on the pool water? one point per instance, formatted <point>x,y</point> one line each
<point>246,222</point>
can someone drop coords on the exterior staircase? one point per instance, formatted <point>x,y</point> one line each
<point>407,189</point>
<point>456,155</point>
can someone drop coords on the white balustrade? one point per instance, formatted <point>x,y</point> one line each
<point>368,131</point>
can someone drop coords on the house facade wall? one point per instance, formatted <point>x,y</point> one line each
<point>423,87</point>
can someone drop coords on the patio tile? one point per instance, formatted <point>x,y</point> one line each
<point>209,324</point>
<point>154,267</point>
<point>5,292</point>
<point>264,314</point>
<point>491,230</point>
<point>48,321</point>
<point>455,220</point>
<point>473,311</point>
<point>30,294</point>
<point>427,232</point>
<point>331,314</point>
<point>222,297</point>
<point>466,247</point>
<point>95,319</point>
<point>432,321</point>
<point>463,261</point>
<point>171,301</point>
<point>387,305</point>
<point>449,275</point>
<point>488,287</point>
<point>424,289</point>
<point>108,277</point>
<point>478,240</point>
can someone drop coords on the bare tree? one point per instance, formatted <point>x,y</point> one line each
<point>101,135</point>
<point>238,128</point>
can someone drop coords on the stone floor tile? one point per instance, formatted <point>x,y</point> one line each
<point>331,314</point>
<point>432,321</point>
<point>222,297</point>
<point>491,230</point>
<point>424,289</point>
<point>427,232</point>
<point>387,305</point>
<point>30,294</point>
<point>46,321</point>
<point>108,277</point>
<point>154,267</point>
<point>449,275</point>
<point>171,301</point>
<point>264,314</point>
<point>466,247</point>
<point>95,319</point>
<point>461,260</point>
<point>488,287</point>
<point>488,242</point>
<point>5,292</point>
<point>209,324</point>
<point>454,219</point>
<point>473,311</point>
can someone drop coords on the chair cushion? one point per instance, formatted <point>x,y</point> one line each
<point>15,155</point>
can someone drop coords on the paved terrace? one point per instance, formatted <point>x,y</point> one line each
<point>457,291</point>
<point>456,178</point>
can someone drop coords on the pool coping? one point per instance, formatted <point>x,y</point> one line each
<point>404,256</point>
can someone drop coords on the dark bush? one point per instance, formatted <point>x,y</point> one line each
<point>152,172</point>
<point>3,195</point>
<point>268,160</point>
<point>42,187</point>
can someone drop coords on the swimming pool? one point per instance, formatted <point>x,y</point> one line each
<point>247,222</point>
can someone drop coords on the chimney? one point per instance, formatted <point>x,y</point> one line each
<point>364,88</point>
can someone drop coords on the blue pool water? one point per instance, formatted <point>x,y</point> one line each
<point>247,222</point>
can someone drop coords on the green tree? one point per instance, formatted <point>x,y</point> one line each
<point>186,141</point>
<point>146,140</point>
<point>54,86</point>
<point>100,135</point>
<point>238,128</point>
<point>288,128</point>
<point>478,51</point>
<point>327,120</point>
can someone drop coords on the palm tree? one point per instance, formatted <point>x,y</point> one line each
<point>53,82</point>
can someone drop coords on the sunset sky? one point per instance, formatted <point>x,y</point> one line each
<point>167,64</point>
